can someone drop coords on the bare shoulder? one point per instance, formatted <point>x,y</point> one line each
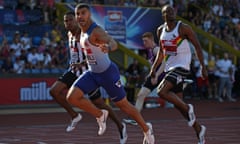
<point>97,35</point>
<point>159,30</point>
<point>185,30</point>
<point>98,31</point>
<point>185,27</point>
<point>100,36</point>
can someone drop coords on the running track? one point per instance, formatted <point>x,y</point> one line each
<point>47,126</point>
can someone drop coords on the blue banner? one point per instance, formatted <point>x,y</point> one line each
<point>126,24</point>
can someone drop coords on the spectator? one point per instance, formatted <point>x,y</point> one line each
<point>53,43</point>
<point>55,59</point>
<point>12,55</point>
<point>4,49</point>
<point>46,38</point>
<point>202,84</point>
<point>23,58</point>
<point>56,35</point>
<point>62,59</point>
<point>225,78</point>
<point>18,66</point>
<point>16,46</point>
<point>207,22</point>
<point>42,47</point>
<point>133,77</point>
<point>217,8</point>
<point>33,58</point>
<point>7,66</point>
<point>17,35</point>
<point>26,41</point>
<point>235,17</point>
<point>45,59</point>
<point>212,87</point>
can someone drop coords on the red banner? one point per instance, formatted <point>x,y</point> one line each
<point>25,90</point>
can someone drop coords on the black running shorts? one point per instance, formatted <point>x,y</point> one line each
<point>176,77</point>
<point>148,84</point>
<point>68,78</point>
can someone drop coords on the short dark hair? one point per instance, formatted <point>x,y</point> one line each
<point>148,35</point>
<point>82,5</point>
<point>70,13</point>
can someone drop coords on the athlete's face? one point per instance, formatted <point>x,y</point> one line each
<point>69,22</point>
<point>82,15</point>
<point>168,13</point>
<point>147,42</point>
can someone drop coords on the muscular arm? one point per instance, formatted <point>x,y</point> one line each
<point>100,38</point>
<point>187,32</point>
<point>159,57</point>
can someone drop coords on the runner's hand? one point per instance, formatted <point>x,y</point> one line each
<point>154,80</point>
<point>105,48</point>
<point>204,72</point>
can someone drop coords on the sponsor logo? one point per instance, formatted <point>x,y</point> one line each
<point>118,83</point>
<point>115,15</point>
<point>37,92</point>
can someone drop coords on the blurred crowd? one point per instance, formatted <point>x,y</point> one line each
<point>219,18</point>
<point>21,56</point>
<point>222,82</point>
<point>23,53</point>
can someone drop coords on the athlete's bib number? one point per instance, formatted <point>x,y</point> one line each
<point>91,60</point>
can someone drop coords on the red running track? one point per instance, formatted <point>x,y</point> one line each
<point>221,119</point>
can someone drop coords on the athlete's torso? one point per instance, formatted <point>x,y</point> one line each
<point>75,51</point>
<point>97,60</point>
<point>176,50</point>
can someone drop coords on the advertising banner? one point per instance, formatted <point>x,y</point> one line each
<point>25,90</point>
<point>126,24</point>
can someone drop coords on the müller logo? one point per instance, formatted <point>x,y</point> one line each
<point>37,92</point>
<point>115,15</point>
